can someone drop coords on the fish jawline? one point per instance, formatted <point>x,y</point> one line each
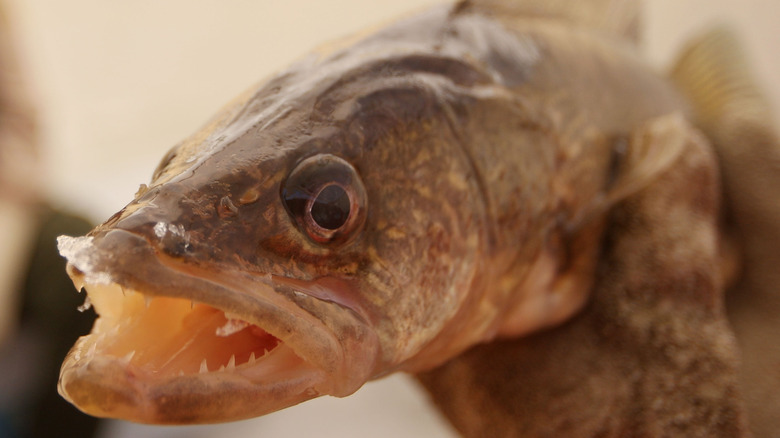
<point>103,377</point>
<point>108,376</point>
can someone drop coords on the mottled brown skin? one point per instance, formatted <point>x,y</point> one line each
<point>519,167</point>
<point>651,355</point>
<point>504,129</point>
<point>397,122</point>
<point>404,100</point>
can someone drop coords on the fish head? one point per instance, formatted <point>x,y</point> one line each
<point>321,232</point>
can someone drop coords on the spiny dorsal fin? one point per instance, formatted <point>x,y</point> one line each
<point>618,17</point>
<point>713,72</point>
<point>731,110</point>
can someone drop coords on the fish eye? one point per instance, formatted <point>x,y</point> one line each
<point>325,198</point>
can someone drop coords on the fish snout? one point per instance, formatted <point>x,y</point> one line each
<point>172,337</point>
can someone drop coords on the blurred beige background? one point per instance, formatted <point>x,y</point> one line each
<point>119,82</point>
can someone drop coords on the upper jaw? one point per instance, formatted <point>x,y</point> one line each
<point>317,347</point>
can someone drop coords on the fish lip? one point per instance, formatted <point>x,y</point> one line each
<point>330,347</point>
<point>201,398</point>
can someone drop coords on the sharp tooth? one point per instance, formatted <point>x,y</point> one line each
<point>87,304</point>
<point>124,292</point>
<point>192,305</point>
<point>222,368</point>
<point>203,367</point>
<point>147,300</point>
<point>265,351</point>
<point>128,357</point>
<point>231,365</point>
<point>79,283</point>
<point>91,351</point>
<point>251,358</point>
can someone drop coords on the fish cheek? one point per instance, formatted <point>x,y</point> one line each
<point>421,237</point>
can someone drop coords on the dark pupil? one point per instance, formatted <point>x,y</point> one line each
<point>331,208</point>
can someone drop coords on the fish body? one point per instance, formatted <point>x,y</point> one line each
<point>444,182</point>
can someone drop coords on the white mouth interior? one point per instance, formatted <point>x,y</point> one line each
<point>167,337</point>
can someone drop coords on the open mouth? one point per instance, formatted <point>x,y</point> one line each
<point>165,337</point>
<point>172,360</point>
<point>172,345</point>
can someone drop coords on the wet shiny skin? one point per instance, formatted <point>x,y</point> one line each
<point>464,160</point>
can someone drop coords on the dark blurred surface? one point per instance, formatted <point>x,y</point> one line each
<point>29,362</point>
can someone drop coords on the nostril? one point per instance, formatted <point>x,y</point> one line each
<point>226,208</point>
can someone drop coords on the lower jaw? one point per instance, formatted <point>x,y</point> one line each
<point>169,361</point>
<point>106,386</point>
<point>127,379</point>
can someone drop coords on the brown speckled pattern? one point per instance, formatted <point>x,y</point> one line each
<point>651,355</point>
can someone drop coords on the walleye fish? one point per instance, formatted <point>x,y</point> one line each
<point>500,197</point>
